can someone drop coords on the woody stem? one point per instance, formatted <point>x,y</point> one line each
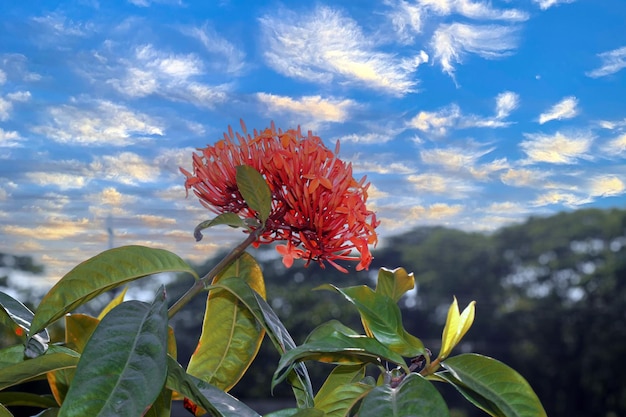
<point>206,280</point>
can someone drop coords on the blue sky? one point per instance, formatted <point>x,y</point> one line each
<point>467,113</point>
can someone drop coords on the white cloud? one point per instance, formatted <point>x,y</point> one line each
<point>3,77</point>
<point>558,148</point>
<point>98,123</point>
<point>437,122</point>
<point>225,54</point>
<point>546,4</point>
<point>9,138</point>
<point>314,107</point>
<point>441,184</point>
<point>406,18</point>
<point>369,137</point>
<point>560,198</point>
<point>147,3</point>
<point>452,41</point>
<point>125,168</point>
<point>612,62</point>
<point>54,228</point>
<point>564,109</point>
<point>58,25</point>
<point>472,9</point>
<point>616,146</point>
<point>21,96</point>
<point>606,186</point>
<point>506,102</point>
<point>332,46</point>
<point>63,181</point>
<point>523,177</point>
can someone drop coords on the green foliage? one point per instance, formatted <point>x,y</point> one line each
<point>124,363</point>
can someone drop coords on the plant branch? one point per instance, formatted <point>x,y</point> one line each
<point>206,280</point>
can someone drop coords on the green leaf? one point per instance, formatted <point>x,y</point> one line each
<point>101,273</point>
<point>28,399</point>
<point>341,375</point>
<point>255,191</point>
<point>123,367</point>
<point>496,382</point>
<point>20,315</point>
<point>50,412</point>
<point>381,315</point>
<point>78,330</point>
<point>343,398</point>
<point>57,357</point>
<point>394,283</point>
<point>228,219</point>
<point>478,400</point>
<point>4,412</point>
<point>207,396</point>
<point>231,335</point>
<point>162,406</point>
<point>329,344</point>
<point>414,397</point>
<point>276,331</point>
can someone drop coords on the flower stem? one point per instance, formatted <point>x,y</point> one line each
<point>206,280</point>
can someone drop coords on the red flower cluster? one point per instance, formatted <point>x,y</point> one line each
<point>318,208</point>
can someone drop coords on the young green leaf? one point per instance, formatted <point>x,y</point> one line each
<point>381,315</point>
<point>343,398</point>
<point>228,219</point>
<point>231,335</point>
<point>123,367</point>
<point>497,383</point>
<point>339,376</point>
<point>57,357</point>
<point>394,283</point>
<point>457,324</point>
<point>4,412</point>
<point>255,191</point>
<point>414,397</point>
<point>101,273</point>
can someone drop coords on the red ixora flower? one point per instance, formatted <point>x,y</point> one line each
<point>318,208</point>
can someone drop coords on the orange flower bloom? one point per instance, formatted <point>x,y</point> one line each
<point>318,208</point>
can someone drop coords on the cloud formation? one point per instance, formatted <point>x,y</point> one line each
<point>564,109</point>
<point>313,108</point>
<point>612,62</point>
<point>558,148</point>
<point>333,47</point>
<point>546,4</point>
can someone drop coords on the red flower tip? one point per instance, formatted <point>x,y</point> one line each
<point>318,208</point>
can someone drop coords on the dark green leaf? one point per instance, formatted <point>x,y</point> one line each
<point>228,219</point>
<point>207,396</point>
<point>24,370</point>
<point>11,399</point>
<point>101,273</point>
<point>472,396</point>
<point>254,191</point>
<point>231,335</point>
<point>497,383</point>
<point>414,397</point>
<point>50,412</point>
<point>381,316</point>
<point>278,334</point>
<point>22,316</point>
<point>394,283</point>
<point>123,367</point>
<point>330,345</point>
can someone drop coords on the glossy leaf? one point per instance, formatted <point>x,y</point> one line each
<point>276,331</point>
<point>255,191</point>
<point>162,406</point>
<point>57,357</point>
<point>207,396</point>
<point>231,335</point>
<point>297,412</point>
<point>414,397</point>
<point>11,399</point>
<point>117,300</point>
<point>21,316</point>
<point>101,273</point>
<point>123,367</point>
<point>339,376</point>
<point>228,219</point>
<point>78,330</point>
<point>330,345</point>
<point>472,396</point>
<point>496,382</point>
<point>50,412</point>
<point>382,317</point>
<point>394,283</point>
<point>343,398</point>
